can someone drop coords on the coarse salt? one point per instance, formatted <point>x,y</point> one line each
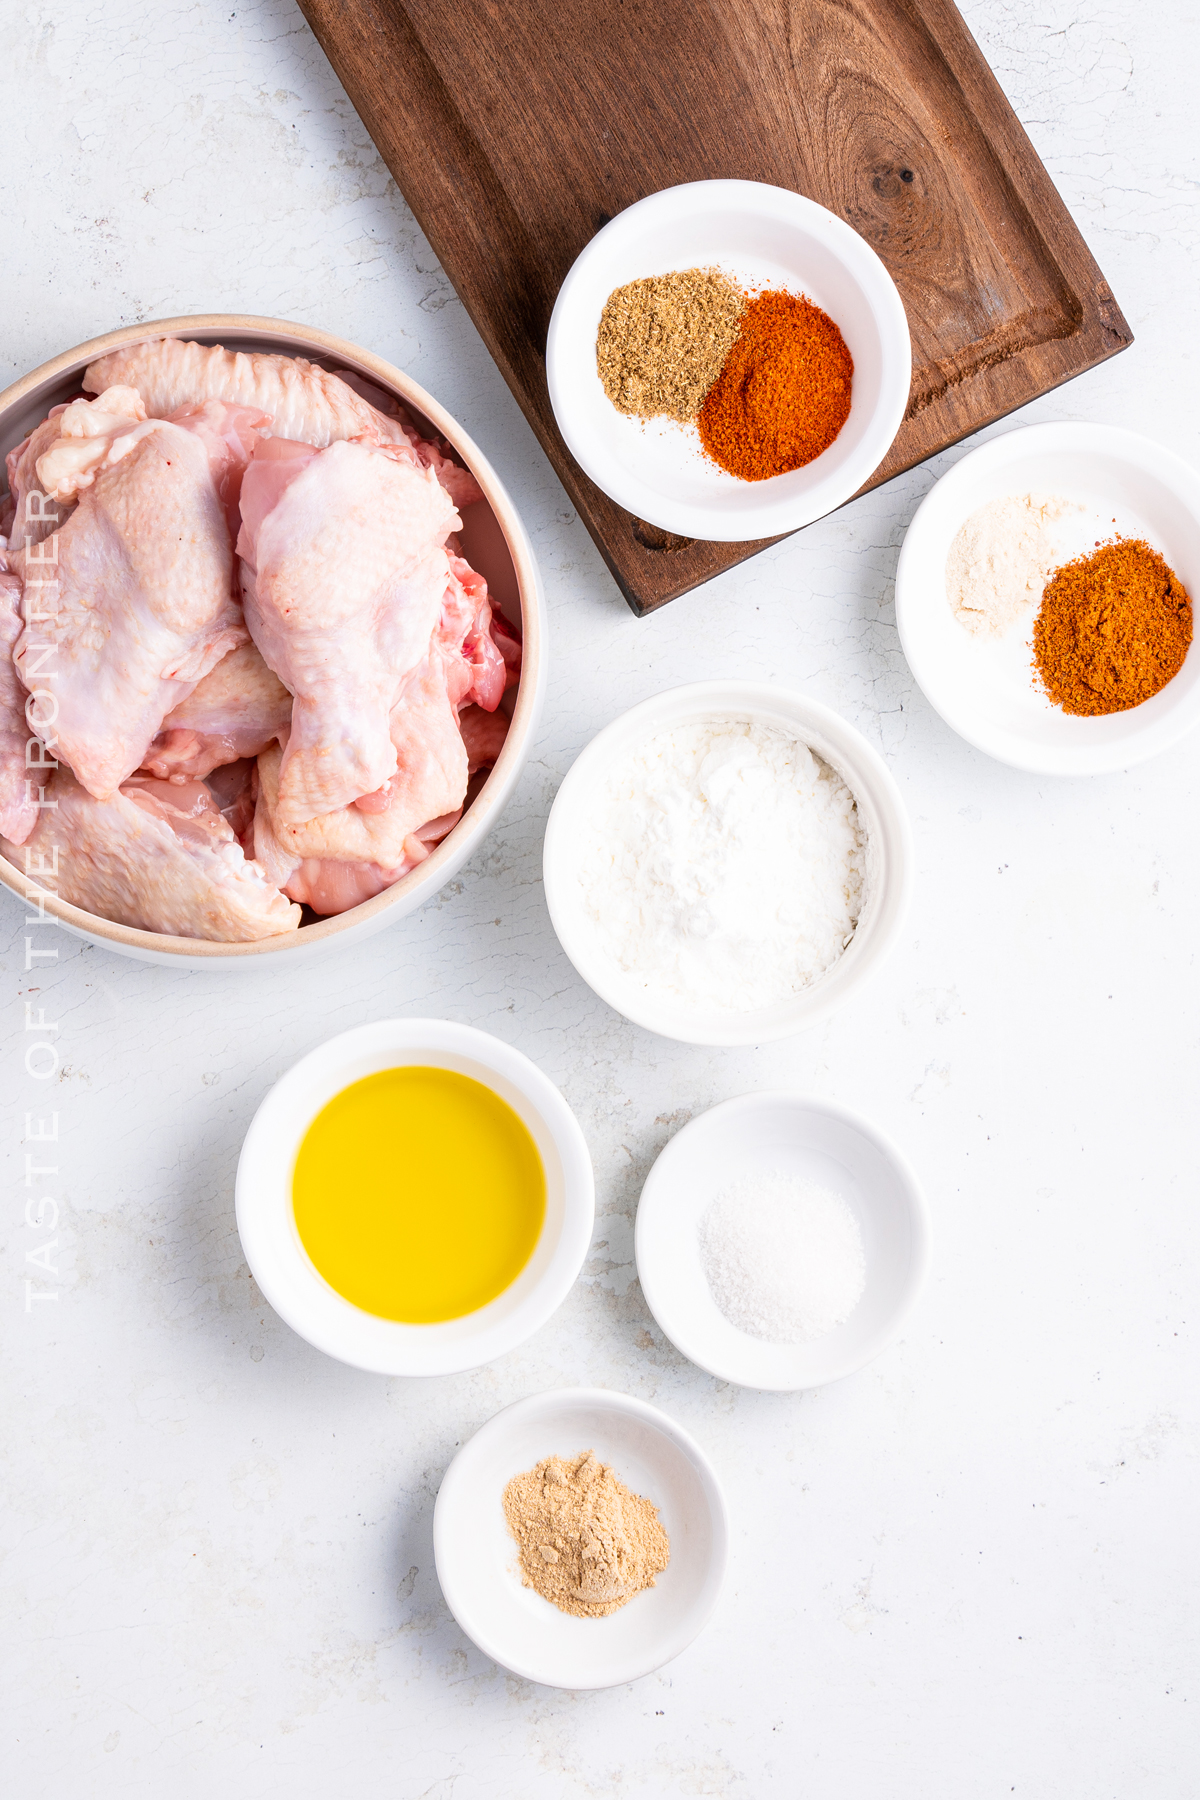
<point>783,1257</point>
<point>724,867</point>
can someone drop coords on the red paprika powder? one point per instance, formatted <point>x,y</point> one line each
<point>784,391</point>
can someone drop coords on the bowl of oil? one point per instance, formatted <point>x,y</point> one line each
<point>415,1197</point>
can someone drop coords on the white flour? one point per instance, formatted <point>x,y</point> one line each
<point>1002,558</point>
<point>783,1257</point>
<point>725,868</point>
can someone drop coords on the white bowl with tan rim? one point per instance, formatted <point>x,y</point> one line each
<point>513,580</point>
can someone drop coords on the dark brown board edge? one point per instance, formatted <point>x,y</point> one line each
<point>1102,330</point>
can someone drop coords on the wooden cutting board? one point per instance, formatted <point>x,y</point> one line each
<point>517,128</point>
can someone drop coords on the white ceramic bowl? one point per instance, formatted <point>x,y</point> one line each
<point>764,237</point>
<point>507,561</point>
<point>984,688</point>
<point>477,1561</point>
<point>786,1133</point>
<point>280,1264</point>
<point>889,872</point>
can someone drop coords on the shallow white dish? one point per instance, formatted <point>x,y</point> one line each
<point>984,688</point>
<point>477,1562</point>
<point>881,810</point>
<point>502,552</point>
<point>280,1264</point>
<point>793,1135</point>
<point>765,237</point>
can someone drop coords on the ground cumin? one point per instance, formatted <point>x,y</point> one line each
<point>1113,628</point>
<point>586,1541</point>
<point>784,392</point>
<point>662,341</point>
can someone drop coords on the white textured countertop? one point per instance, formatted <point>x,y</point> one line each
<point>968,1571</point>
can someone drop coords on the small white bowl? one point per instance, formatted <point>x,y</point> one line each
<point>984,688</point>
<point>280,1264</point>
<point>889,873</point>
<point>478,1565</point>
<point>763,1134</point>
<point>763,237</point>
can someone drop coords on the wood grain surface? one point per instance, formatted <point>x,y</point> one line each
<point>517,128</point>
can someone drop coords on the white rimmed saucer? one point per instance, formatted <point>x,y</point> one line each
<point>985,688</point>
<point>889,860</point>
<point>794,1135</point>
<point>477,1561</point>
<point>278,1260</point>
<point>763,237</point>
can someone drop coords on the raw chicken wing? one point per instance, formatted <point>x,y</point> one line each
<point>334,887</point>
<point>442,728</point>
<point>463,665</point>
<point>60,456</point>
<point>303,402</point>
<point>344,575</point>
<point>129,604</point>
<point>428,783</point>
<point>154,856</point>
<point>90,435</point>
<point>238,708</point>
<point>433,453</point>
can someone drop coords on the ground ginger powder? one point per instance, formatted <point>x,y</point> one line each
<point>1113,628</point>
<point>663,341</point>
<point>586,1541</point>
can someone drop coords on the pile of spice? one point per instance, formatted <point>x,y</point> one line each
<point>1001,559</point>
<point>784,392</point>
<point>783,1257</point>
<point>767,379</point>
<point>1113,628</point>
<point>663,341</point>
<point>1114,625</point>
<point>586,1541</point>
<point>724,868</point>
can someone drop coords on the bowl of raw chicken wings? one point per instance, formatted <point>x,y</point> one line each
<point>271,646</point>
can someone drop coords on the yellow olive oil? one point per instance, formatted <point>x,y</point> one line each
<point>418,1194</point>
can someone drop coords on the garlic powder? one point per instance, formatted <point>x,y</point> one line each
<point>1001,559</point>
<point>724,867</point>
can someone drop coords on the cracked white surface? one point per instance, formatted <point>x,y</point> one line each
<point>966,1571</point>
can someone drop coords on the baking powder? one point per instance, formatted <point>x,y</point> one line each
<point>725,866</point>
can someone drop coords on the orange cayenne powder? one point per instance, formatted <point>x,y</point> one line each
<point>784,392</point>
<point>1114,627</point>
